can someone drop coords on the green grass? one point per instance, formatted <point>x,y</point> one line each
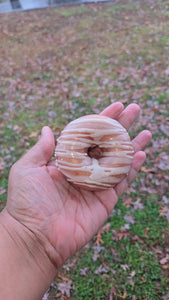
<point>136,269</point>
<point>162,98</point>
<point>163,3</point>
<point>116,8</point>
<point>141,275</point>
<point>73,11</point>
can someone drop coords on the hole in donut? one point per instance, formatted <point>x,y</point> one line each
<point>95,152</point>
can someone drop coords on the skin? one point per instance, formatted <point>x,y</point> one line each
<point>47,219</point>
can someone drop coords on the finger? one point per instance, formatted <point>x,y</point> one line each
<point>113,110</point>
<point>42,151</point>
<point>129,115</point>
<point>137,162</point>
<point>141,140</point>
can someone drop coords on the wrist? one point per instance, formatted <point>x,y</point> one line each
<point>24,260</point>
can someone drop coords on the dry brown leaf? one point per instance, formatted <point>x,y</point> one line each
<point>99,239</point>
<point>146,233</point>
<point>146,170</point>
<point>65,287</point>
<point>124,267</point>
<point>164,260</point>
<point>62,277</point>
<point>127,201</point>
<point>165,267</point>
<point>34,134</point>
<point>133,273</point>
<point>164,210</point>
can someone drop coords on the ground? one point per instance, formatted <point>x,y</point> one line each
<point>57,64</point>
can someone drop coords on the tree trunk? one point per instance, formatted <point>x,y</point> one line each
<point>15,4</point>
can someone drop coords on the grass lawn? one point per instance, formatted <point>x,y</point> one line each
<point>57,64</point>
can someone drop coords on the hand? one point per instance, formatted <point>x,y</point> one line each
<point>62,217</point>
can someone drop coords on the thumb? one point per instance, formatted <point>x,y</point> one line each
<point>42,151</point>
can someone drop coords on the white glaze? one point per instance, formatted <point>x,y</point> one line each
<point>72,152</point>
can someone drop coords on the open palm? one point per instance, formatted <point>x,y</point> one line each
<point>62,216</point>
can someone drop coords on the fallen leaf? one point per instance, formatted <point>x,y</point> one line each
<point>163,163</point>
<point>157,251</point>
<point>146,170</point>
<point>99,239</point>
<point>70,265</point>
<point>146,233</point>
<point>112,293</point>
<point>2,164</point>
<point>164,260</point>
<point>164,211</point>
<point>97,250</point>
<point>166,297</point>
<point>118,235</point>
<point>165,129</point>
<point>127,201</point>
<point>165,267</point>
<point>133,273</point>
<point>167,71</point>
<point>106,227</point>
<point>65,287</point>
<point>136,238</point>
<point>34,134</point>
<point>17,128</point>
<point>143,279</point>
<point>124,267</point>
<point>138,205</point>
<point>130,277</point>
<point>62,277</point>
<point>129,219</point>
<point>125,227</point>
<point>101,269</point>
<point>46,295</point>
<point>165,199</point>
<point>84,271</point>
<point>115,254</point>
<point>124,295</point>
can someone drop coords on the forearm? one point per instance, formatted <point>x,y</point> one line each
<point>25,270</point>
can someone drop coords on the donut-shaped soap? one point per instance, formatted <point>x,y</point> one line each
<point>94,152</point>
